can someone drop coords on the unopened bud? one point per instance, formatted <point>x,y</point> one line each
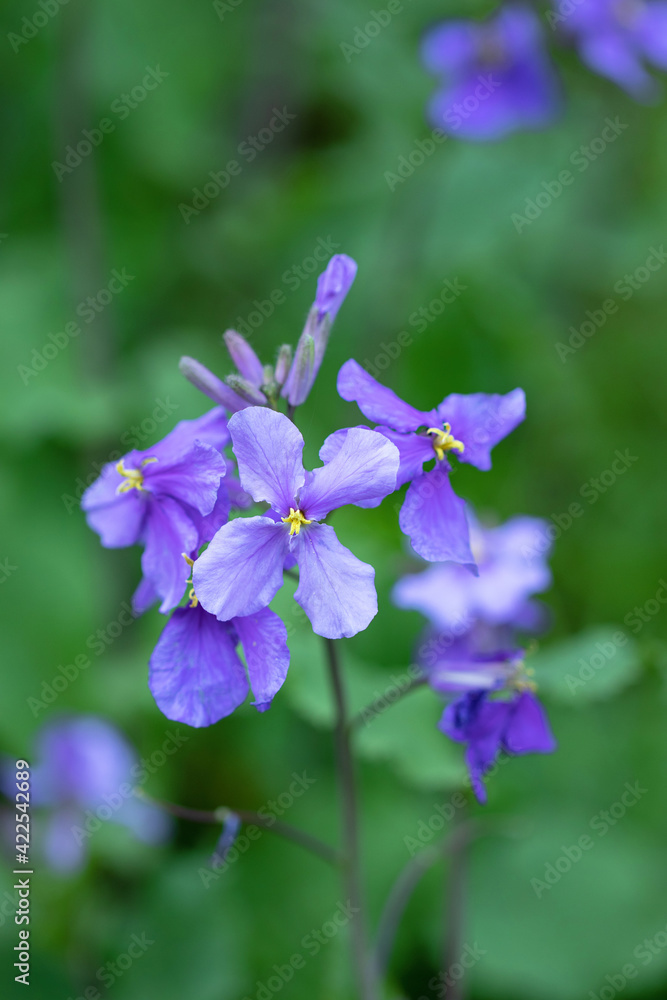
<point>283,362</point>
<point>243,356</point>
<point>211,385</point>
<point>246,390</point>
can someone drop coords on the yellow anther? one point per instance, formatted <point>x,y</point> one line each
<point>521,680</point>
<point>443,440</point>
<point>192,597</point>
<point>295,520</point>
<point>134,478</point>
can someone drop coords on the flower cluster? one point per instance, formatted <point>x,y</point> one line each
<point>496,75</point>
<point>470,653</point>
<point>216,564</point>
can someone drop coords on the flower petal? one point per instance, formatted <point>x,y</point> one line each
<point>118,518</point>
<point>441,593</point>
<point>362,473</point>
<point>168,533</point>
<point>413,449</point>
<point>268,449</point>
<point>481,420</point>
<point>242,569</point>
<point>528,729</point>
<point>336,590</point>
<point>191,476</point>
<point>333,285</point>
<point>195,674</point>
<point>264,640</point>
<point>211,429</point>
<point>377,402</point>
<point>434,519</point>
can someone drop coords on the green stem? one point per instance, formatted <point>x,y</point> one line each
<point>380,704</point>
<point>364,970</point>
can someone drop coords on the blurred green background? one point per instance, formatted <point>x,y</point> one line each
<point>322,178</point>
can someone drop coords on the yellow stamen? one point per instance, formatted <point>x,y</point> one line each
<point>443,441</point>
<point>134,478</point>
<point>192,597</point>
<point>522,680</point>
<point>295,520</point>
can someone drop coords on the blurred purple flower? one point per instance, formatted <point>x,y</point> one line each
<point>196,675</point>
<point>83,774</point>
<point>242,568</point>
<point>512,563</point>
<point>616,37</point>
<point>169,498</point>
<point>497,76</point>
<point>517,726</point>
<point>433,516</point>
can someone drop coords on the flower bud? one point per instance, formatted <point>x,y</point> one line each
<point>283,362</point>
<point>243,356</point>
<point>301,374</point>
<point>211,385</point>
<point>246,390</point>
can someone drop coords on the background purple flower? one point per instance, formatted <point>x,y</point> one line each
<point>432,515</point>
<point>168,498</point>
<point>83,765</point>
<point>196,675</point>
<point>616,37</point>
<point>496,75</point>
<point>242,568</point>
<point>512,564</point>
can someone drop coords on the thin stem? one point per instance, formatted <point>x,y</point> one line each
<point>405,885</point>
<point>352,866</point>
<point>217,816</point>
<point>380,704</point>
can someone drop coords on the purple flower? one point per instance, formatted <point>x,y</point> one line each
<point>196,675</point>
<point>487,726</point>
<point>512,563</point>
<point>168,498</point>
<point>616,37</point>
<point>332,287</point>
<point>242,568</point>
<point>433,516</point>
<point>497,77</point>
<point>84,773</point>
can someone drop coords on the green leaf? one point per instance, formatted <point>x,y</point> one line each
<point>593,665</point>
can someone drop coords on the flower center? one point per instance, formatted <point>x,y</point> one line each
<point>443,440</point>
<point>295,519</point>
<point>134,478</point>
<point>522,678</point>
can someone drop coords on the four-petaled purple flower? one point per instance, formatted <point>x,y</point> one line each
<point>433,516</point>
<point>487,725</point>
<point>196,675</point>
<point>497,77</point>
<point>83,774</point>
<point>168,498</point>
<point>242,568</point>
<point>615,37</point>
